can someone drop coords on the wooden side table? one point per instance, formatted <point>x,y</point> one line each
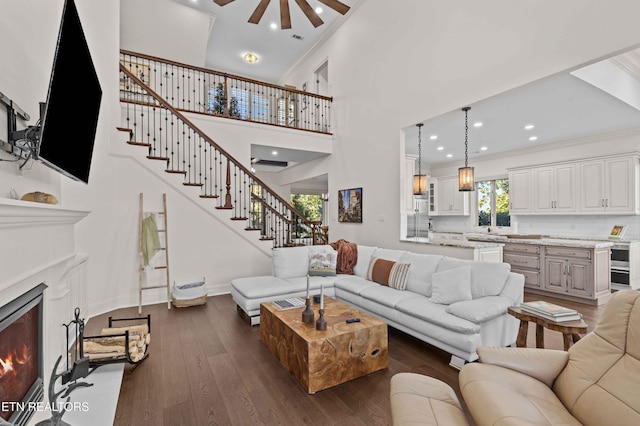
<point>570,330</point>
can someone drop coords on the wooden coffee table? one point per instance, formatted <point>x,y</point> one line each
<point>570,330</point>
<point>321,359</point>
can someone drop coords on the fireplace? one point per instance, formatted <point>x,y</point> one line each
<point>21,356</point>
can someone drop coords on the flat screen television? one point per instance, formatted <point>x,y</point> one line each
<point>70,118</point>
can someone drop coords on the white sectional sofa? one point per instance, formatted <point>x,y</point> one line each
<point>456,305</point>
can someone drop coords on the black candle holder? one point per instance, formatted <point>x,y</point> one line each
<point>321,323</point>
<point>307,314</point>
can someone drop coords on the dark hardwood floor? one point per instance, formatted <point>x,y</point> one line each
<point>207,367</point>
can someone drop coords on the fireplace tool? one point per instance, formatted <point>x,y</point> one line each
<point>69,377</point>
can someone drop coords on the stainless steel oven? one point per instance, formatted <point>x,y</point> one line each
<point>620,265</point>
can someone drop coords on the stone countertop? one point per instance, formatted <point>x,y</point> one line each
<point>545,241</point>
<point>453,243</point>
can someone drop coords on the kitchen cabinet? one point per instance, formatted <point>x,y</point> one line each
<point>608,185</point>
<point>524,259</point>
<point>433,191</point>
<point>603,185</point>
<point>449,200</point>
<point>577,272</point>
<point>520,191</point>
<point>406,179</point>
<point>555,189</point>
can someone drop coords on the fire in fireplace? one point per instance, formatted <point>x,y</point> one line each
<point>21,356</point>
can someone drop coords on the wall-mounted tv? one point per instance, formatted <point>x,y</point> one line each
<point>70,116</point>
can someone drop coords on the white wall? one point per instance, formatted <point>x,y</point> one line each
<point>163,28</point>
<point>29,34</point>
<point>395,66</point>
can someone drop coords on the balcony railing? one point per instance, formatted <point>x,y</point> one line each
<point>206,91</point>
<point>170,137</point>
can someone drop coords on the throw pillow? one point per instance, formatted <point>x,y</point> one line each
<point>388,272</point>
<point>451,285</point>
<point>322,264</point>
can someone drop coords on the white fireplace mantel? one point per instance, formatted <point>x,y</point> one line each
<point>17,213</point>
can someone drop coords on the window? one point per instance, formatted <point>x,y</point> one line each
<point>244,104</point>
<point>493,202</point>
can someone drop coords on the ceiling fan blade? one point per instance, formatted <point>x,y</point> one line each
<point>336,5</point>
<point>222,2</point>
<point>285,16</point>
<point>311,14</point>
<point>257,14</point>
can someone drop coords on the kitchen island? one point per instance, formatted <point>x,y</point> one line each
<point>483,251</point>
<point>572,269</point>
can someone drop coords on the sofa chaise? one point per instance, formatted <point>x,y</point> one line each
<point>456,305</point>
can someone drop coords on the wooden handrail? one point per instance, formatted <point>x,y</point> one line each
<point>225,74</point>
<point>203,135</point>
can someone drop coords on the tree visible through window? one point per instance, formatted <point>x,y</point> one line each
<point>493,203</point>
<point>309,206</point>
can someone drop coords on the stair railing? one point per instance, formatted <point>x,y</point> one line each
<point>172,138</point>
<point>205,91</point>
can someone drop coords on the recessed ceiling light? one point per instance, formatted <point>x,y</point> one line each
<point>477,124</point>
<point>318,10</point>
<point>529,127</point>
<point>250,58</point>
<point>433,137</point>
<point>449,155</point>
<point>274,26</point>
<point>533,138</point>
<point>274,152</point>
<point>440,148</point>
<point>484,148</point>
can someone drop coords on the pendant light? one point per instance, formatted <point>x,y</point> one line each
<point>419,180</point>
<point>465,174</point>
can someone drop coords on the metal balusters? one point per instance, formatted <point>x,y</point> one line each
<point>171,137</point>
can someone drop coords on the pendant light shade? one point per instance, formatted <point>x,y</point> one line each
<point>466,180</point>
<point>419,184</point>
<point>419,180</point>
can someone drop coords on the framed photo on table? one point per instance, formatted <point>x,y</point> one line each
<point>350,205</point>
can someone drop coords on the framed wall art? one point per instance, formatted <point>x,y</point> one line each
<point>350,205</point>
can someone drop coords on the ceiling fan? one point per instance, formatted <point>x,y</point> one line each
<point>285,16</point>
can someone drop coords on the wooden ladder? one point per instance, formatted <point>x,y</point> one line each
<point>164,248</point>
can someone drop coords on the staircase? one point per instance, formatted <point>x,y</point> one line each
<point>169,137</point>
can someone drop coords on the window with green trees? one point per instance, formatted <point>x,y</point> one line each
<point>309,206</point>
<point>493,202</point>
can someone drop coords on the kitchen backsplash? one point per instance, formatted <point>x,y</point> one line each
<point>583,226</point>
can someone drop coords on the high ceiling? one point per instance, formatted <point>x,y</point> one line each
<point>233,36</point>
<point>561,107</point>
<point>596,99</point>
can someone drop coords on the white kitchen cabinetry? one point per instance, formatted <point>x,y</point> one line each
<point>406,195</point>
<point>604,185</point>
<point>449,200</point>
<point>555,189</point>
<point>608,185</point>
<point>520,191</point>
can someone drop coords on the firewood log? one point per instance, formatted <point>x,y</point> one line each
<point>107,344</point>
<point>142,329</point>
